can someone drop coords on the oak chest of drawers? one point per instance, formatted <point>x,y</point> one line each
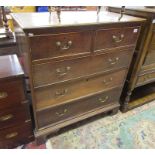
<point>15,121</point>
<point>76,66</point>
<point>140,83</point>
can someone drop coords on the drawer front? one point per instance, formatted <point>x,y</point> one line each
<point>11,93</point>
<point>146,78</point>
<point>111,38</point>
<point>74,109</point>
<point>14,116</point>
<point>49,73</point>
<point>16,136</point>
<point>60,45</point>
<point>64,92</point>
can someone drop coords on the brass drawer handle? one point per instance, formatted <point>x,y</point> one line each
<point>61,92</point>
<point>3,95</point>
<point>6,117</point>
<point>63,113</point>
<point>11,135</point>
<point>106,82</point>
<point>113,61</point>
<point>62,71</point>
<point>103,100</point>
<point>117,39</point>
<point>64,46</point>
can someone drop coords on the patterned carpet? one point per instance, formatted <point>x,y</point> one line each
<point>133,130</point>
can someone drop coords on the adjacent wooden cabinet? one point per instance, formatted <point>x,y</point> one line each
<point>15,120</point>
<point>140,86</point>
<point>76,65</point>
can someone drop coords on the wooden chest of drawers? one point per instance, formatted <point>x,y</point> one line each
<point>15,121</point>
<point>77,67</point>
<point>142,70</point>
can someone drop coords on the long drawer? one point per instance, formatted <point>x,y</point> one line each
<point>54,72</point>
<point>11,93</point>
<point>64,92</point>
<point>116,37</point>
<point>16,136</point>
<point>60,45</point>
<point>76,108</point>
<point>14,116</point>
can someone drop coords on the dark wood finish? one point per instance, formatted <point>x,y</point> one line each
<point>11,93</point>
<point>60,45</point>
<point>72,109</point>
<point>111,38</point>
<point>69,69</point>
<point>15,121</point>
<point>81,69</point>
<point>63,92</point>
<point>143,68</point>
<point>11,65</point>
<point>15,136</point>
<point>14,116</point>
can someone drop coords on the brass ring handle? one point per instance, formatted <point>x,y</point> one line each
<point>6,117</point>
<point>61,92</point>
<point>62,71</point>
<point>103,100</point>
<point>107,82</point>
<point>113,61</point>
<point>11,135</point>
<point>3,95</point>
<point>64,46</point>
<point>117,39</point>
<point>63,113</point>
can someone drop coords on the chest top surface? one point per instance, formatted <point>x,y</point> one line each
<point>70,18</point>
<point>10,66</point>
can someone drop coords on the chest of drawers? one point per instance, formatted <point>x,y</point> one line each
<point>142,70</point>
<point>15,121</point>
<point>77,67</point>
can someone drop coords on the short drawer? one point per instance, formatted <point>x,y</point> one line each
<point>65,92</point>
<point>60,45</point>
<point>54,72</point>
<point>11,93</point>
<point>146,78</point>
<point>116,37</point>
<point>14,116</point>
<point>16,136</point>
<point>76,108</point>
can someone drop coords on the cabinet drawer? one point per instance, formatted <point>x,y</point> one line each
<point>111,38</point>
<point>76,108</point>
<point>64,92</point>
<point>49,73</point>
<point>14,116</point>
<point>16,136</point>
<point>11,93</point>
<point>146,78</point>
<point>60,45</point>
